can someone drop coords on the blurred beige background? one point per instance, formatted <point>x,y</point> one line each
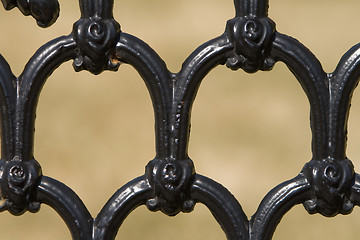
<point>249,132</point>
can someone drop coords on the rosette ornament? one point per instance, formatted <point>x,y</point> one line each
<point>171,181</point>
<point>19,181</point>
<point>96,39</point>
<point>331,181</point>
<point>252,38</point>
<point>45,12</point>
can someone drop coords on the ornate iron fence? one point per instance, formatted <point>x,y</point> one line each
<point>327,184</point>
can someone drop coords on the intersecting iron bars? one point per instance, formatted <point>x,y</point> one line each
<point>327,184</point>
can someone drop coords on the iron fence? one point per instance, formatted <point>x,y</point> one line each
<point>327,184</point>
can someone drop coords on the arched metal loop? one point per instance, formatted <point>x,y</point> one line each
<point>219,200</point>
<point>68,205</point>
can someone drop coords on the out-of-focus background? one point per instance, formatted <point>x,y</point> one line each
<point>249,132</point>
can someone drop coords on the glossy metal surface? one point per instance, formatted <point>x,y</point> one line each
<point>327,184</point>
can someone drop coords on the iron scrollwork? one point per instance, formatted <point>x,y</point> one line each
<point>96,34</point>
<point>327,184</point>
<point>252,38</point>
<point>171,181</point>
<point>332,181</point>
<point>19,181</point>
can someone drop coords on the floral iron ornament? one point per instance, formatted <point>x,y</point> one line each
<point>96,35</point>
<point>44,11</point>
<point>252,33</point>
<point>327,184</point>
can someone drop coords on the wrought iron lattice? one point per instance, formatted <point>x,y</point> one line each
<point>327,184</point>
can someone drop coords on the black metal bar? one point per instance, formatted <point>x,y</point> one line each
<point>327,184</point>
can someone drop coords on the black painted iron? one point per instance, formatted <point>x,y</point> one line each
<point>327,184</point>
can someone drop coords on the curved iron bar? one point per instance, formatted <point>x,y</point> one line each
<point>20,172</point>
<point>308,70</point>
<point>343,80</point>
<point>188,80</point>
<point>218,199</point>
<point>8,103</point>
<point>223,205</point>
<point>68,205</point>
<point>119,206</point>
<point>276,204</point>
<point>36,72</point>
<point>158,80</point>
